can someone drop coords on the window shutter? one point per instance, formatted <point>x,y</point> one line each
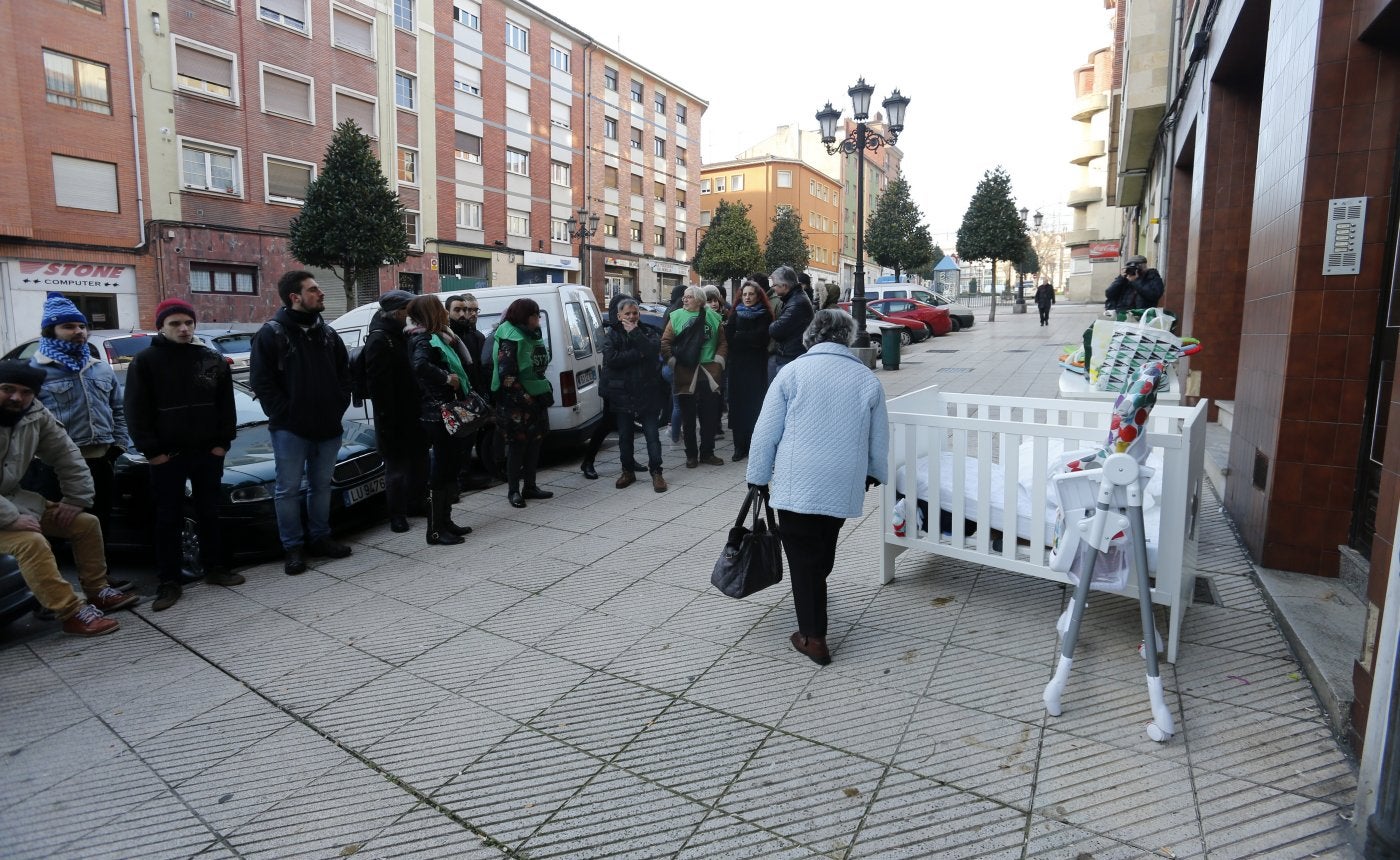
<point>559,114</point>
<point>83,184</point>
<point>354,33</point>
<point>291,8</point>
<point>287,96</point>
<point>517,98</point>
<point>1346,218</point>
<point>469,143</point>
<point>287,180</point>
<point>361,111</point>
<point>206,67</point>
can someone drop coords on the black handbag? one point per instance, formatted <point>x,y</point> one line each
<point>752,558</point>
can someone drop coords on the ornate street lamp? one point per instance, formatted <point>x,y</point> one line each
<point>578,230</point>
<point>858,142</point>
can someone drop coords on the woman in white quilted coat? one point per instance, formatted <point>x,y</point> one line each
<point>821,441</point>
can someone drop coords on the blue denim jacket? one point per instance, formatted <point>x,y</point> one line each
<point>89,403</point>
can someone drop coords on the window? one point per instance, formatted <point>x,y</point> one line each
<point>719,184</point>
<point>609,128</point>
<point>558,230</point>
<point>680,156</point>
<point>517,37</point>
<point>90,5</point>
<point>658,147</point>
<point>74,82</point>
<point>680,198</point>
<point>517,98</point>
<point>559,58</point>
<point>658,190</point>
<point>736,182</point>
<point>636,231</point>
<point>204,70</point>
<point>410,226</point>
<point>658,237</point>
<point>287,180</point>
<point>403,14</point>
<point>560,173</point>
<point>680,114</point>
<point>637,184</point>
<point>659,101</point>
<point>636,138</point>
<point>784,178</point>
<point>467,147</point>
<point>208,167</point>
<point>466,18</point>
<point>610,226</point>
<point>704,186</point>
<point>288,13</point>
<point>637,92</point>
<point>609,177</point>
<point>406,165</point>
<point>559,115</point>
<point>361,108</point>
<point>517,223</point>
<point>680,240</point>
<point>468,215</point>
<point>352,32</point>
<point>609,78</point>
<point>705,218</point>
<point>287,94</point>
<point>213,278</point>
<point>405,91</point>
<point>466,79</point>
<point>82,184</point>
<point>517,162</point>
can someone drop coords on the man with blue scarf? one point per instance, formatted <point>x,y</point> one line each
<point>83,393</point>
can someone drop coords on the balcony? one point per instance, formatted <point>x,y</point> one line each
<point>1086,106</point>
<point>1089,150</point>
<point>1080,237</point>
<point>1084,196</point>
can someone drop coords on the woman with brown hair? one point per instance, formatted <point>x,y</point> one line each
<point>746,331</point>
<point>439,360</point>
<point>523,396</point>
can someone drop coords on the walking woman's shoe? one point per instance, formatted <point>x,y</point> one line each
<point>534,492</point>
<point>626,479</point>
<point>588,471</point>
<point>516,500</point>
<point>813,646</point>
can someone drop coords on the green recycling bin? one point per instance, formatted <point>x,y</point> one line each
<point>889,350</point>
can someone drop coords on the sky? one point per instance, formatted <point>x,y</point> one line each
<point>990,82</point>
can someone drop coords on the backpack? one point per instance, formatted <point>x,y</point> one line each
<point>359,377</point>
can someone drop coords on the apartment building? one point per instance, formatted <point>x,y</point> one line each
<point>71,205</point>
<point>768,185</point>
<point>1092,240</point>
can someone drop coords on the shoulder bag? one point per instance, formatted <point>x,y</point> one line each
<point>752,558</point>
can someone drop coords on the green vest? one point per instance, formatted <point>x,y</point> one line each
<point>454,362</point>
<point>680,318</point>
<point>531,355</point>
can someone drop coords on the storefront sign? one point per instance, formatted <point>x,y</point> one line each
<point>620,262</point>
<point>669,269</point>
<point>57,276</point>
<point>1103,250</point>
<point>551,261</point>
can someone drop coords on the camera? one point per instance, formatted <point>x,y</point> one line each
<point>1132,270</point>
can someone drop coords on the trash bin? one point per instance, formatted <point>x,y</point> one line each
<point>889,351</point>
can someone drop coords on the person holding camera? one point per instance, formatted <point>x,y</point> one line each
<point>1138,288</point>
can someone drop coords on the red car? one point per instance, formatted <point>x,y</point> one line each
<point>936,319</point>
<point>910,330</point>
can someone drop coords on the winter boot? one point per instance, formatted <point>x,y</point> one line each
<point>438,519</point>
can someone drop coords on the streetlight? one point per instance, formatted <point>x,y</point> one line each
<point>858,142</point>
<point>577,230</point>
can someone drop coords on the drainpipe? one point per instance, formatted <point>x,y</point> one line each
<point>1168,158</point>
<point>135,125</point>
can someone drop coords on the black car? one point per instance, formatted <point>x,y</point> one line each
<point>15,597</point>
<point>246,510</point>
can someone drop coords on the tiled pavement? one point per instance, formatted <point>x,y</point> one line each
<point>565,684</point>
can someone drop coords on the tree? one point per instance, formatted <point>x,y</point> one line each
<point>896,236</point>
<point>351,223</point>
<point>729,249</point>
<point>992,229</point>
<point>1028,261</point>
<point>927,272</point>
<point>787,245</point>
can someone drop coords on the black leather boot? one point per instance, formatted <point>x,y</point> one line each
<point>438,518</point>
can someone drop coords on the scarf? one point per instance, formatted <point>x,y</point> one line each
<point>454,361</point>
<point>750,312</point>
<point>70,354</point>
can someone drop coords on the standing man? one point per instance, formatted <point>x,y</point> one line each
<point>398,432</point>
<point>1138,288</point>
<point>301,374</point>
<point>462,314</point>
<point>28,430</point>
<point>786,330</point>
<point>82,392</point>
<point>179,395</point>
<point>1044,298</point>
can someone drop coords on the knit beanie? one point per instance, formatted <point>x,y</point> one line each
<point>173,306</point>
<point>58,309</point>
<point>17,371</point>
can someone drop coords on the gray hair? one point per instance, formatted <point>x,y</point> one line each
<point>832,325</point>
<point>712,292</point>
<point>627,302</point>
<point>783,275</point>
<point>697,293</point>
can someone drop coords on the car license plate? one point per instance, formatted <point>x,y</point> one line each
<point>587,377</point>
<point>364,491</point>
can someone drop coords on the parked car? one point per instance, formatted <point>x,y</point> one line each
<point>15,596</point>
<point>961,314</point>
<point>235,341</point>
<point>937,319</point>
<point>116,347</point>
<point>246,510</point>
<point>907,330</point>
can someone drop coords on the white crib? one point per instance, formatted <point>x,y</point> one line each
<point>998,430</point>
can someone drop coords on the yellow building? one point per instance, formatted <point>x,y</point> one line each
<point>766,184</point>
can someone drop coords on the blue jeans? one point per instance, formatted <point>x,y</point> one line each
<point>304,468</point>
<point>650,429</point>
<point>775,364</point>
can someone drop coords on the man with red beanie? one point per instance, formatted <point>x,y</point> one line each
<point>179,409</point>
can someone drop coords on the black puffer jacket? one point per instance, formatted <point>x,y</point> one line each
<point>1125,295</point>
<point>301,375</point>
<point>179,397</point>
<point>792,322</point>
<point>431,370</point>
<point>631,368</point>
<point>393,388</point>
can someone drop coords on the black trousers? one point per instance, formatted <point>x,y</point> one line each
<point>405,480</point>
<point>809,542</point>
<point>1044,314</point>
<point>105,484</point>
<point>522,460</point>
<point>703,406</point>
<point>205,472</point>
<point>448,452</point>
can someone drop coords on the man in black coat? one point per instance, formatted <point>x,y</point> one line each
<point>1044,298</point>
<point>180,412</point>
<point>393,390</point>
<point>786,331</point>
<point>301,374</point>
<point>1138,288</point>
<point>462,314</point>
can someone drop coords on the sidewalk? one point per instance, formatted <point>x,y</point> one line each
<point>566,684</point>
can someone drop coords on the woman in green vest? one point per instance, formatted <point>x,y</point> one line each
<point>523,396</point>
<point>439,361</point>
<point>695,376</point>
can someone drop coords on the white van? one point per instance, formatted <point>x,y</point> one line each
<point>569,317</point>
